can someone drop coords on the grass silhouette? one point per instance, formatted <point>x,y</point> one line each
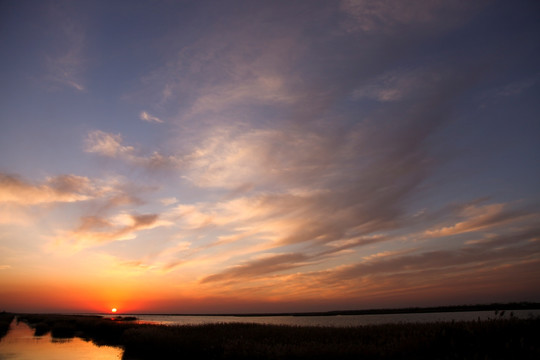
<point>5,321</point>
<point>508,338</point>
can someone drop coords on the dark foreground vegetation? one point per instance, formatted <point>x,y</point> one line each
<point>5,320</point>
<point>501,338</point>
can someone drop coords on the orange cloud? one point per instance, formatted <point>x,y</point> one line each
<point>64,188</point>
<point>111,145</point>
<point>480,218</point>
<point>94,230</point>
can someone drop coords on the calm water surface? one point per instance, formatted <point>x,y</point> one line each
<point>21,344</point>
<point>336,321</point>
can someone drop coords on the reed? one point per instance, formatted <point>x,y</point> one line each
<point>5,321</point>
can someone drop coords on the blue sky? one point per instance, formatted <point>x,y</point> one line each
<point>215,156</point>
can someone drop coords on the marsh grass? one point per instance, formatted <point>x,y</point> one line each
<point>5,321</point>
<point>508,338</point>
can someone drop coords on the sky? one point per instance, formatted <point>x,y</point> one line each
<point>268,156</point>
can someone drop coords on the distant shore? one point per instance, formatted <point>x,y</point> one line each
<point>500,338</point>
<point>381,311</point>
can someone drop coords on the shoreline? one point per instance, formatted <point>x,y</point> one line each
<point>382,311</point>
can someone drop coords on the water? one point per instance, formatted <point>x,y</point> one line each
<point>21,344</point>
<point>334,321</point>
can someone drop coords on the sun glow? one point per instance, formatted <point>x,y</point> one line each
<point>113,310</point>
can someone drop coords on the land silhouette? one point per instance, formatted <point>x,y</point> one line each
<point>501,337</point>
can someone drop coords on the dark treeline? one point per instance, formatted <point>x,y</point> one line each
<point>500,338</point>
<point>409,310</point>
<point>434,309</point>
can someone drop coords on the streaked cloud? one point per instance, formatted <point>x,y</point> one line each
<point>149,118</point>
<point>63,188</point>
<point>388,273</point>
<point>270,264</point>
<point>111,145</point>
<point>259,89</point>
<point>66,64</point>
<point>396,85</point>
<point>390,15</point>
<point>475,218</point>
<point>96,231</point>
<point>513,249</point>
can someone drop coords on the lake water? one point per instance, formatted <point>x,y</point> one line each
<point>21,344</point>
<point>335,321</point>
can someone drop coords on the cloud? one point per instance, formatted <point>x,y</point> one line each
<point>14,214</point>
<point>63,188</point>
<point>227,70</point>
<point>111,145</point>
<point>517,87</point>
<point>280,154</point>
<point>268,130</point>
<point>401,273</point>
<point>475,218</point>
<point>513,89</point>
<point>66,63</point>
<point>390,15</point>
<point>331,191</point>
<point>260,267</point>
<point>26,203</point>
<point>397,85</point>
<point>506,249</point>
<point>232,159</point>
<point>96,230</point>
<point>262,89</point>
<point>150,118</point>
<point>384,273</point>
<point>5,267</point>
<point>169,201</point>
<point>106,144</point>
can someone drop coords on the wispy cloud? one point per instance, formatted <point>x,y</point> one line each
<point>513,89</point>
<point>96,230</point>
<point>510,249</point>
<point>475,218</point>
<point>111,145</point>
<point>150,118</point>
<point>267,265</point>
<point>64,188</point>
<point>397,85</point>
<point>388,273</point>
<point>390,15</point>
<point>66,64</point>
<point>255,89</point>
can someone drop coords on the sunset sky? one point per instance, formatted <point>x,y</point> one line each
<point>267,156</point>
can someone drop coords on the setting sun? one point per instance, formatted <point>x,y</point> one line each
<point>113,310</point>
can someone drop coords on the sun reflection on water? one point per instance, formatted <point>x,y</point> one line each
<point>20,343</point>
